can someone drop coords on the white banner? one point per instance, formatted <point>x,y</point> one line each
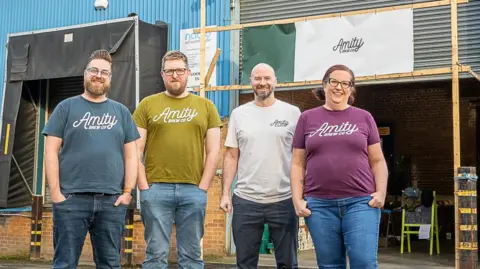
<point>370,44</point>
<point>190,45</point>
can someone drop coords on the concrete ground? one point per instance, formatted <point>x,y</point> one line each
<point>389,258</point>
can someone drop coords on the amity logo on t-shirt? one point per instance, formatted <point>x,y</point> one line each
<point>90,122</point>
<point>169,115</point>
<point>345,128</point>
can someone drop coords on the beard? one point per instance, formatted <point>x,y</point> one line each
<point>176,88</point>
<point>262,92</point>
<point>97,89</point>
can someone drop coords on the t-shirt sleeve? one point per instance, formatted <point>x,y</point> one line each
<point>213,116</point>
<point>57,121</point>
<point>231,140</point>
<point>299,135</point>
<point>140,116</point>
<point>129,127</point>
<point>373,135</point>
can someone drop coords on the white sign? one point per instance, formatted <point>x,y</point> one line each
<point>369,44</point>
<point>190,45</point>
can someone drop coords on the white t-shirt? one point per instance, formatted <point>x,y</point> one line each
<point>264,136</point>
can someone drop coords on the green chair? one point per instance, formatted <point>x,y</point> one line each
<point>414,215</point>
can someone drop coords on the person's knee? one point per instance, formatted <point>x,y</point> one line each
<point>362,258</point>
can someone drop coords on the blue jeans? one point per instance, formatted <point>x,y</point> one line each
<point>161,205</point>
<point>82,213</point>
<point>344,226</point>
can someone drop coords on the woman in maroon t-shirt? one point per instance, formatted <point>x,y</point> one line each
<point>339,175</point>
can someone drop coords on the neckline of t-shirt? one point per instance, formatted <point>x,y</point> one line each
<point>175,98</point>
<point>336,111</point>
<point>275,103</point>
<point>88,101</point>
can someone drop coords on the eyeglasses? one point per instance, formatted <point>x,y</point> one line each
<point>180,71</point>
<point>344,84</point>
<point>94,72</point>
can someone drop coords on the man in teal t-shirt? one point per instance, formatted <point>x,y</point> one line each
<point>91,168</point>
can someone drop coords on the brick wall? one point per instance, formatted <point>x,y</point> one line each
<point>14,236</point>
<point>422,116</point>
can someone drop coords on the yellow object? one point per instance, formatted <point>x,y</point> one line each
<point>7,137</point>
<point>433,222</point>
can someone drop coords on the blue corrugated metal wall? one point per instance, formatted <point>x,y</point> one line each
<point>30,15</point>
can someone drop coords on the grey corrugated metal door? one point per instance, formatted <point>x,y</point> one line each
<point>61,89</point>
<point>432,34</point>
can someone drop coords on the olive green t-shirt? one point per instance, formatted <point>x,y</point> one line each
<point>176,130</point>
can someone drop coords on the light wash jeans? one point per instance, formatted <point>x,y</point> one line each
<point>163,203</point>
<point>344,226</point>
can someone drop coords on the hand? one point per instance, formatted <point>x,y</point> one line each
<point>204,188</point>
<point>58,198</point>
<point>143,187</point>
<point>124,199</point>
<point>226,204</point>
<point>378,200</point>
<point>301,208</point>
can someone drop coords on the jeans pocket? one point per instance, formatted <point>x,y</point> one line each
<point>67,198</point>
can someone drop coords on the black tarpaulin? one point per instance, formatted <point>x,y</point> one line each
<point>64,53</point>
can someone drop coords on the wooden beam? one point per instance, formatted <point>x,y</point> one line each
<point>202,46</point>
<point>456,119</point>
<point>327,16</point>
<point>203,18</point>
<point>475,75</point>
<point>315,83</point>
<point>211,67</point>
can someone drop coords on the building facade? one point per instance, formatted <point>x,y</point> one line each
<point>29,16</point>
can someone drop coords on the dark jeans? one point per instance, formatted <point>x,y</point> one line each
<point>82,213</point>
<point>341,227</point>
<point>248,223</point>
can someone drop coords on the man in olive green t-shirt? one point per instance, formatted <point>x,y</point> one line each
<point>177,130</point>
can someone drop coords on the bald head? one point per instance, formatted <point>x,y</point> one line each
<point>263,68</point>
<point>263,81</point>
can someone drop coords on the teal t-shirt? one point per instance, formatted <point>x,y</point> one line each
<point>91,158</point>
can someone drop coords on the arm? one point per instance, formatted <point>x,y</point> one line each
<point>297,174</point>
<point>230,164</point>
<point>212,150</point>
<point>131,166</point>
<point>52,170</point>
<point>380,173</point>
<point>142,176</point>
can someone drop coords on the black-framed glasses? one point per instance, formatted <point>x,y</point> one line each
<point>344,84</point>
<point>94,72</point>
<point>180,71</point>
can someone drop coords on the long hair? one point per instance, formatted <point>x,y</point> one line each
<point>320,92</point>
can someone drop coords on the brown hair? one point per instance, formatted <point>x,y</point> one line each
<point>320,92</point>
<point>174,55</point>
<point>100,55</point>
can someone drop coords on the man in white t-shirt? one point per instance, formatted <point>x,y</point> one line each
<point>259,149</point>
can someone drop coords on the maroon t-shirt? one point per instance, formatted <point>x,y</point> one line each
<point>336,144</point>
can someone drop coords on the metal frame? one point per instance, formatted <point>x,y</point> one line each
<point>137,86</point>
<point>76,26</point>
<point>47,113</point>
<point>4,87</point>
